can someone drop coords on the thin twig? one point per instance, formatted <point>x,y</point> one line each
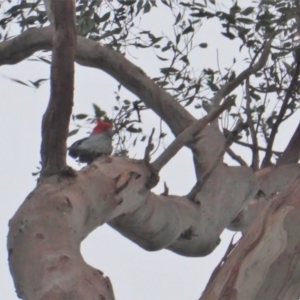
<point>231,85</point>
<point>261,112</point>
<point>278,153</point>
<point>166,190</point>
<point>137,109</point>
<point>250,123</point>
<point>149,147</point>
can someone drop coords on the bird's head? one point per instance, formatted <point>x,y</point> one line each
<point>102,127</point>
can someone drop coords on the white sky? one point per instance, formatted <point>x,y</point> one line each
<point>135,273</point>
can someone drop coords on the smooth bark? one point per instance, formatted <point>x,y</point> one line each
<point>55,124</point>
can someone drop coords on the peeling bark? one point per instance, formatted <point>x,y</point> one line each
<point>264,264</point>
<point>271,180</point>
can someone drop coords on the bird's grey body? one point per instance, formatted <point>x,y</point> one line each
<point>88,149</point>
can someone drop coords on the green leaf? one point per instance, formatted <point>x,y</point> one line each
<point>47,61</point>
<point>177,19</point>
<point>165,3</point>
<point>19,81</point>
<point>167,47</point>
<point>127,2</point>
<point>189,101</point>
<point>96,18</point>
<point>127,102</point>
<point>154,39</point>
<point>188,29</point>
<point>73,132</point>
<point>245,20</point>
<point>161,58</point>
<point>98,112</point>
<point>105,17</point>
<point>110,33</point>
<point>202,13</point>
<point>138,45</point>
<point>185,59</point>
<point>81,116</point>
<point>38,83</point>
<point>268,2</point>
<point>162,83</point>
<point>133,129</point>
<point>212,86</point>
<point>167,71</point>
<point>139,6</point>
<point>180,87</point>
<point>147,7</point>
<point>229,35</point>
<point>247,11</point>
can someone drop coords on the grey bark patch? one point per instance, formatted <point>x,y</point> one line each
<point>188,234</point>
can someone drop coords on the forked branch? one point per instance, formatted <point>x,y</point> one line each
<point>187,136</point>
<point>231,85</point>
<point>201,181</point>
<point>267,159</point>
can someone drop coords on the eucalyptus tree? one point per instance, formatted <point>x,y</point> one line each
<point>244,107</point>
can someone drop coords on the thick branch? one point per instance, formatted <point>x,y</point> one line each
<point>57,116</point>
<point>210,146</point>
<point>209,171</point>
<point>186,136</point>
<point>92,54</point>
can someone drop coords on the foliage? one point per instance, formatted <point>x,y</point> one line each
<point>262,103</point>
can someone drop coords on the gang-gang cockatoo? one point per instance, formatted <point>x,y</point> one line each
<point>99,143</point>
